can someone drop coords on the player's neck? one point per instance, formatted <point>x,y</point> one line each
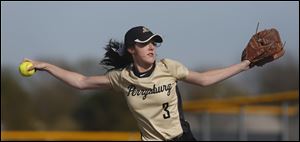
<point>143,67</point>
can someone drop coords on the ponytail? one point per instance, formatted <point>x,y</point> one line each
<point>116,56</point>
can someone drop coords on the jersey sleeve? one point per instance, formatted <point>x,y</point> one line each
<point>114,77</point>
<point>175,68</point>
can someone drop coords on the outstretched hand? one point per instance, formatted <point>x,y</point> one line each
<point>36,64</point>
<point>263,47</point>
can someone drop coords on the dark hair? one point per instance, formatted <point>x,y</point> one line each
<point>113,59</point>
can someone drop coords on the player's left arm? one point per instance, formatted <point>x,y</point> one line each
<point>214,76</point>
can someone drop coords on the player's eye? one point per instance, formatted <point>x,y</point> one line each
<point>156,44</point>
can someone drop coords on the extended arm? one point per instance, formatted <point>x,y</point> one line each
<point>213,76</point>
<point>73,79</point>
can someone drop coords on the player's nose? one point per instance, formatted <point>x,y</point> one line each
<point>151,46</point>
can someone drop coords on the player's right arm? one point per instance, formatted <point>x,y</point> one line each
<point>73,79</point>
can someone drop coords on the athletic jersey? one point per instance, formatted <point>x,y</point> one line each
<point>154,99</point>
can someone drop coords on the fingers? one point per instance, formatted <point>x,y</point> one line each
<point>26,60</point>
<point>29,60</point>
<point>31,68</point>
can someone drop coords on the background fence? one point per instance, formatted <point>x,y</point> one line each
<point>263,117</point>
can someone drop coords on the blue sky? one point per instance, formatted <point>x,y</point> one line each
<point>195,33</point>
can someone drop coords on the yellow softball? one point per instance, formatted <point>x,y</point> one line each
<point>23,68</point>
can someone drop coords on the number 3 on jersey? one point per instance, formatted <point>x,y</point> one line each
<point>165,107</point>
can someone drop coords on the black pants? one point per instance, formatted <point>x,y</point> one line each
<point>184,137</point>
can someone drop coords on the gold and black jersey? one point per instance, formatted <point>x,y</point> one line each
<point>154,99</point>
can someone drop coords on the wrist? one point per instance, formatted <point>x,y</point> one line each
<point>46,66</point>
<point>245,64</point>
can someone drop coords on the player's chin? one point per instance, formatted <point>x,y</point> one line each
<point>150,60</point>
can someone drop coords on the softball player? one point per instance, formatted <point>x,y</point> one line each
<point>149,85</point>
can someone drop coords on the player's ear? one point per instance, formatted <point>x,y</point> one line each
<point>131,50</point>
